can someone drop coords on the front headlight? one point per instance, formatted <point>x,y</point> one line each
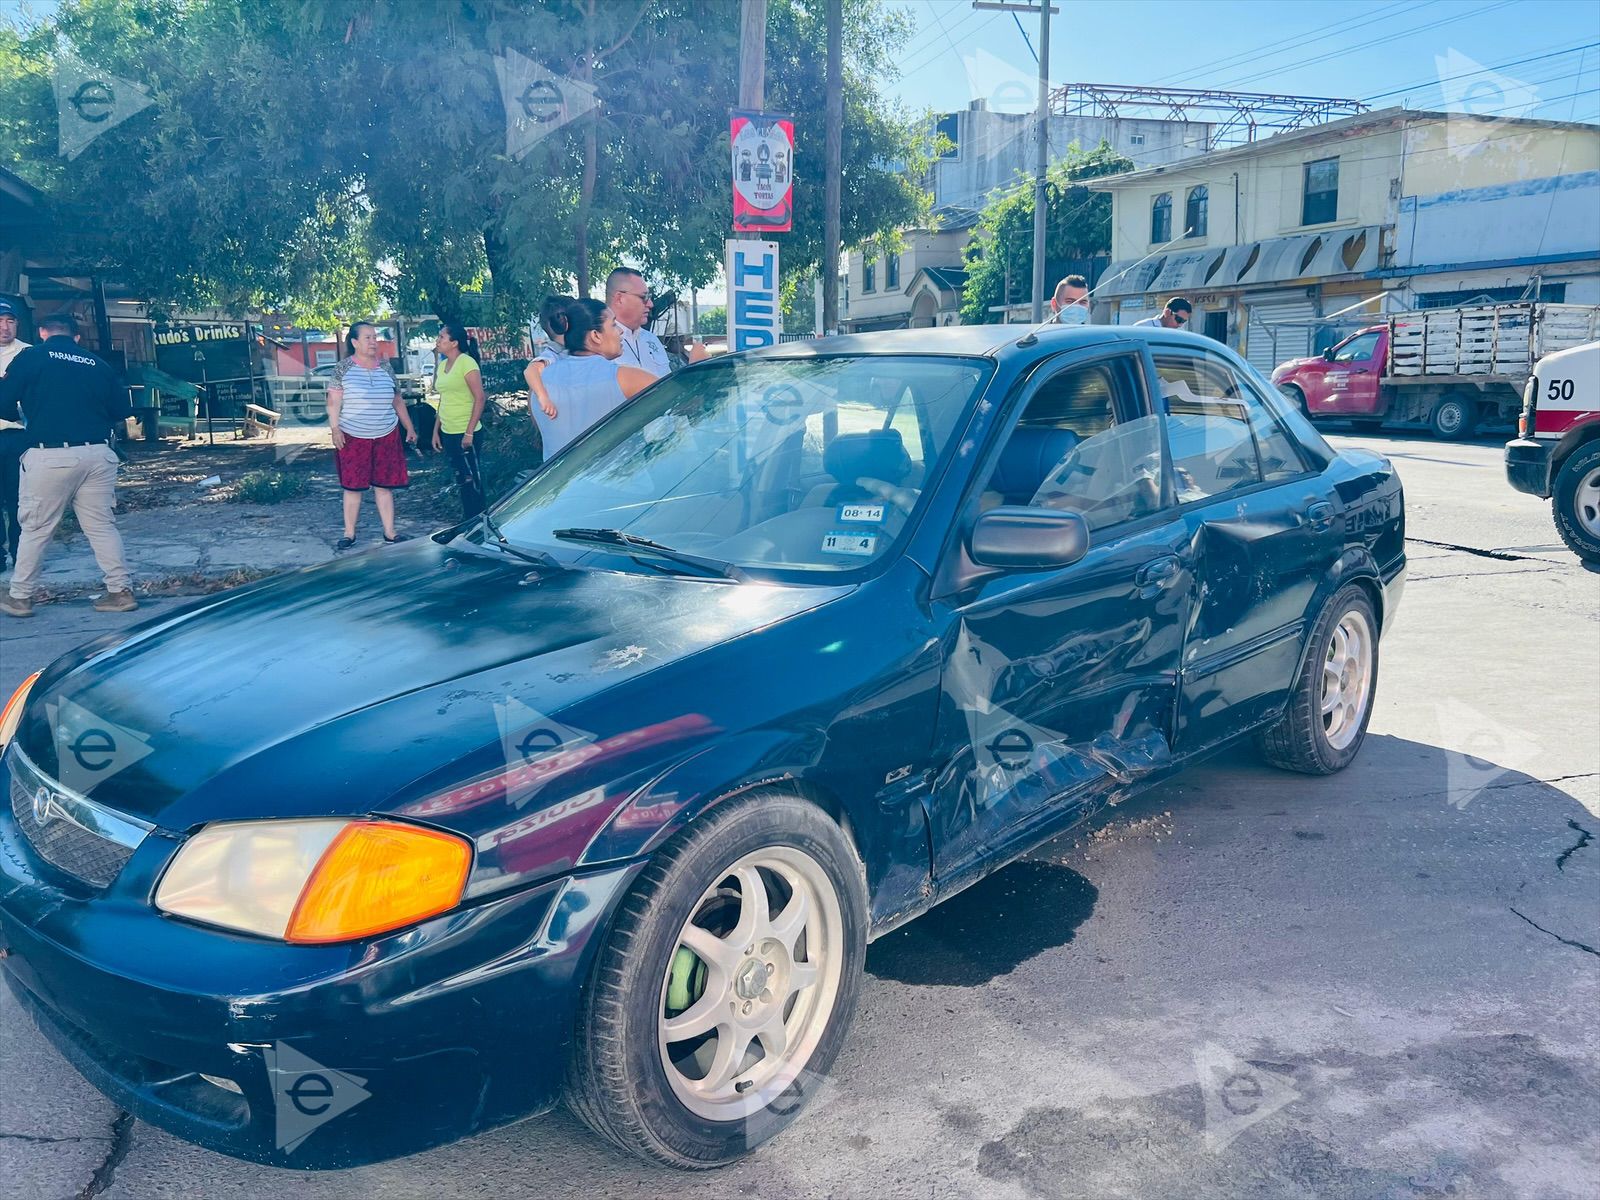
<point>315,880</point>
<point>11,714</point>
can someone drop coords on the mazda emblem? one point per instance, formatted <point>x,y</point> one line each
<point>44,809</point>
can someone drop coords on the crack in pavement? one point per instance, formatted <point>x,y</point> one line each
<point>1584,838</point>
<point>1558,937</point>
<point>40,1139</point>
<point>1514,783</point>
<point>1501,555</point>
<point>105,1173</point>
<point>1481,575</point>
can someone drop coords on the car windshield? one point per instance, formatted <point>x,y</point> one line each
<point>789,466</point>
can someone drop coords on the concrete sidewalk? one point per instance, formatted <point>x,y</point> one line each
<point>184,538</point>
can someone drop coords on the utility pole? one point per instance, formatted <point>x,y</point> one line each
<point>1042,133</point>
<point>834,153</point>
<point>753,55</point>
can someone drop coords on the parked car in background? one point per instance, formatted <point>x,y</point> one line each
<point>1450,369</point>
<point>1556,454</point>
<point>603,796</point>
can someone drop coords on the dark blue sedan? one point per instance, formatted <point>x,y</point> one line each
<point>602,798</point>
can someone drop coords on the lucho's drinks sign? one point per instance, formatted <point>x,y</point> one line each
<point>195,335</point>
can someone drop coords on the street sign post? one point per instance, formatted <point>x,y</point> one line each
<point>754,316</point>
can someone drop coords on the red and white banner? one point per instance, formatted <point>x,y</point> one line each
<point>763,172</point>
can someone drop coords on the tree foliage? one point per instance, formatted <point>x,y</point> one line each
<point>295,145</point>
<point>1077,227</point>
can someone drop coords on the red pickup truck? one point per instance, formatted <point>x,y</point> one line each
<point>1449,369</point>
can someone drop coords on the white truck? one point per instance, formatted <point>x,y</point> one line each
<point>1556,454</point>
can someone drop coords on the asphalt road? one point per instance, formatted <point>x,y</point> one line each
<point>1244,984</point>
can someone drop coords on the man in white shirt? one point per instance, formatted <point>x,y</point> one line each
<point>1175,315</point>
<point>628,298</point>
<point>12,443</point>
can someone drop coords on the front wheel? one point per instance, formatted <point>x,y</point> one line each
<point>1326,720</point>
<point>725,989</point>
<point>1575,502</point>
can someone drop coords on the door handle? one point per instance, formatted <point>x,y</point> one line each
<point>1320,515</point>
<point>1158,571</point>
<point>1361,371</point>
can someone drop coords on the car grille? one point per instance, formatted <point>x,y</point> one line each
<point>62,840</point>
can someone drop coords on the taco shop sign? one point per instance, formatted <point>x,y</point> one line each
<point>754,319</point>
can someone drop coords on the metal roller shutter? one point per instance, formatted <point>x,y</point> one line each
<point>1288,319</point>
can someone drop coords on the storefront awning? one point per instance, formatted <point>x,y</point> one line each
<point>1302,256</point>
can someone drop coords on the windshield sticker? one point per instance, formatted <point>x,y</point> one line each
<point>866,513</point>
<point>863,545</point>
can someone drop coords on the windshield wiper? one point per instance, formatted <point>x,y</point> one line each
<point>488,529</point>
<point>633,545</point>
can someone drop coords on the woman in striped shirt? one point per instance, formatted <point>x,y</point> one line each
<point>366,415</point>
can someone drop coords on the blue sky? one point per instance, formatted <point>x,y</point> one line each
<point>1385,50</point>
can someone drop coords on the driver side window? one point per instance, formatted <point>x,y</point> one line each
<point>1357,349</point>
<point>1082,446</point>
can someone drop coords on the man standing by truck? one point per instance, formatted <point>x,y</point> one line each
<point>1174,316</point>
<point>70,399</point>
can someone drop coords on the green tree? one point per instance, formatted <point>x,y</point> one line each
<point>713,322</point>
<point>1077,226</point>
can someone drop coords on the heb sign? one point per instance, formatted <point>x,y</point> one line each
<point>754,318</point>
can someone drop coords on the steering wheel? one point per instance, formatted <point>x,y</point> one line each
<point>903,498</point>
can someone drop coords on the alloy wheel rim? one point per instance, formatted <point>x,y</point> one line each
<point>1346,680</point>
<point>766,941</point>
<point>1586,502</point>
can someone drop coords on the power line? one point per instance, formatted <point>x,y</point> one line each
<point>1357,49</point>
<point>1442,79</point>
<point>1297,41</point>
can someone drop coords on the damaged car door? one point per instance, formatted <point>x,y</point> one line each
<point>1263,530</point>
<point>1060,684</point>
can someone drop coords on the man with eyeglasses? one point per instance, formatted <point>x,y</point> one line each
<point>1174,316</point>
<point>628,298</point>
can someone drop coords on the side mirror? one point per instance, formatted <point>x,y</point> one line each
<point>1021,538</point>
<point>1327,355</point>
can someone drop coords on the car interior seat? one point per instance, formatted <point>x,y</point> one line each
<point>1031,453</point>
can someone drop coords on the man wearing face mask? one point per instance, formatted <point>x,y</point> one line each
<point>1071,301</point>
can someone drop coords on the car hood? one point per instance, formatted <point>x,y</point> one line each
<point>329,681</point>
<point>1294,364</point>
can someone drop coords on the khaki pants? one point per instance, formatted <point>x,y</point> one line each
<point>86,477</point>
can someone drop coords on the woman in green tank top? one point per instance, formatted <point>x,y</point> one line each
<point>460,387</point>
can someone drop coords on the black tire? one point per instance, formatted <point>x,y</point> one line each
<point>1454,418</point>
<point>1299,741</point>
<point>1296,397</point>
<point>617,1083</point>
<point>1564,505</point>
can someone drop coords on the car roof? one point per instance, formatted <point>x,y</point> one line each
<point>988,341</point>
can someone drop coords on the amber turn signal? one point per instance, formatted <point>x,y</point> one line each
<point>11,714</point>
<point>378,875</point>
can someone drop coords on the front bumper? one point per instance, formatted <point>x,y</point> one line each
<point>1528,465</point>
<point>329,1056</point>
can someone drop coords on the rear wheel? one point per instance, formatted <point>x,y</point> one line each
<point>1576,503</point>
<point>726,986</point>
<point>1454,417</point>
<point>1296,397</point>
<point>1326,721</point>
